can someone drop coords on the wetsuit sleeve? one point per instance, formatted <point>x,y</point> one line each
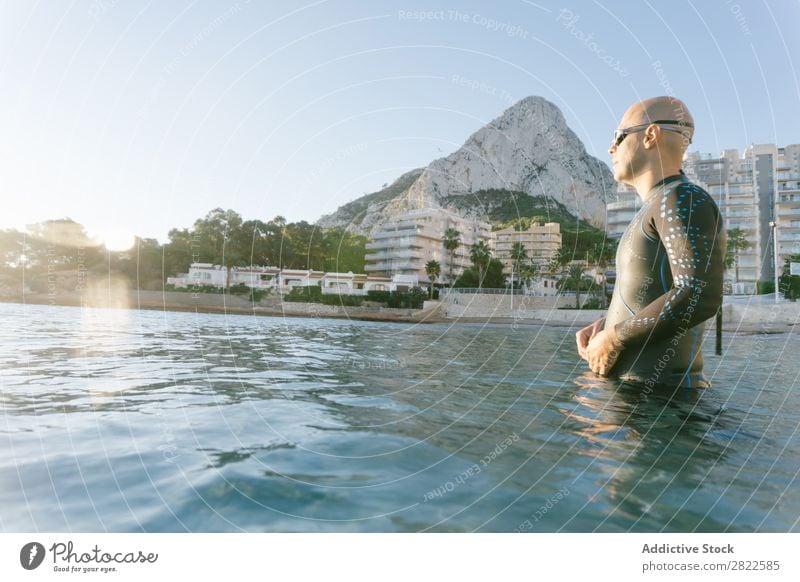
<point>687,222</point>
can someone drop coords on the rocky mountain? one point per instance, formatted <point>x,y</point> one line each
<point>527,151</point>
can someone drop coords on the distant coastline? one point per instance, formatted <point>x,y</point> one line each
<point>223,304</point>
<point>738,316</point>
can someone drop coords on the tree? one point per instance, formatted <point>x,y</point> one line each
<point>528,272</point>
<point>467,280</point>
<point>789,285</point>
<point>343,251</point>
<point>493,277</point>
<point>519,256</point>
<point>219,239</point>
<point>480,255</point>
<point>179,252</point>
<point>560,260</point>
<point>143,264</point>
<point>433,269</point>
<point>451,241</point>
<point>60,244</point>
<point>737,241</point>
<point>276,243</point>
<point>575,280</point>
<point>12,244</point>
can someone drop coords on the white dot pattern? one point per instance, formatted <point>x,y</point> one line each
<point>685,221</point>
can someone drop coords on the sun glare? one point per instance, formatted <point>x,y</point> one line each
<point>117,240</point>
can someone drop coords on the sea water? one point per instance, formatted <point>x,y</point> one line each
<point>126,421</point>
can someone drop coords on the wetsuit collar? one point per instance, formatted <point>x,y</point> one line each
<point>680,176</point>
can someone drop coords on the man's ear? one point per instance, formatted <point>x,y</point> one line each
<point>651,136</point>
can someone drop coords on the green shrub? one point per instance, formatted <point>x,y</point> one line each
<point>593,303</point>
<point>765,287</point>
<point>413,299</point>
<point>343,300</point>
<point>378,296</point>
<point>200,289</point>
<point>311,294</point>
<point>254,295</point>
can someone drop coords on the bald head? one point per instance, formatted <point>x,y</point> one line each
<point>648,151</point>
<point>649,110</point>
<point>663,108</point>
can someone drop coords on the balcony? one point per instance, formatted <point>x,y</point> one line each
<point>393,266</point>
<point>398,242</point>
<point>788,202</point>
<point>398,254</point>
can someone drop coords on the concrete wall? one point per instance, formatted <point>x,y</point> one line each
<point>484,305</point>
<point>736,316</point>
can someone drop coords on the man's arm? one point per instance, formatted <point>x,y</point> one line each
<point>689,226</point>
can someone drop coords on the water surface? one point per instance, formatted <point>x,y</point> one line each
<point>126,421</point>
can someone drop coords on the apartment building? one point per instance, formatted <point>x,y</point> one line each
<point>730,179</point>
<point>787,201</point>
<point>541,242</point>
<point>621,210</point>
<point>403,245</point>
<point>758,187</point>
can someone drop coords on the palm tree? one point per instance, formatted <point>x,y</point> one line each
<point>559,261</point>
<point>433,269</point>
<point>519,255</point>
<point>737,241</point>
<point>574,279</point>
<point>480,255</point>
<point>451,241</point>
<point>528,272</point>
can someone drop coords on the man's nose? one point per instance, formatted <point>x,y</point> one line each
<point>612,148</point>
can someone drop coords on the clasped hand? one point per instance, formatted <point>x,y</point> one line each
<point>599,347</point>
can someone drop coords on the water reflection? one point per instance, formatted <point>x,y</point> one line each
<point>655,448</point>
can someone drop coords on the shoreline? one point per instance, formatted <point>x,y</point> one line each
<point>432,313</point>
<point>234,305</point>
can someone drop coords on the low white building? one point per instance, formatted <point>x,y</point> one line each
<point>288,279</point>
<point>204,274</point>
<point>541,286</point>
<point>284,280</point>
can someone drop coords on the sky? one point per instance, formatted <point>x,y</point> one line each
<point>135,117</point>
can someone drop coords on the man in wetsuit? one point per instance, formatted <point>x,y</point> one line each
<point>669,260</point>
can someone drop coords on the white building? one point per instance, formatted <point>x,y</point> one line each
<point>621,210</point>
<point>752,189</point>
<point>758,187</point>
<point>405,244</point>
<point>787,201</point>
<point>284,280</point>
<point>731,181</point>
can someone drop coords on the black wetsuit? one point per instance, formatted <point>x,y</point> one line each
<point>669,281</point>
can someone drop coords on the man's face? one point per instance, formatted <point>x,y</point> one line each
<point>625,156</point>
